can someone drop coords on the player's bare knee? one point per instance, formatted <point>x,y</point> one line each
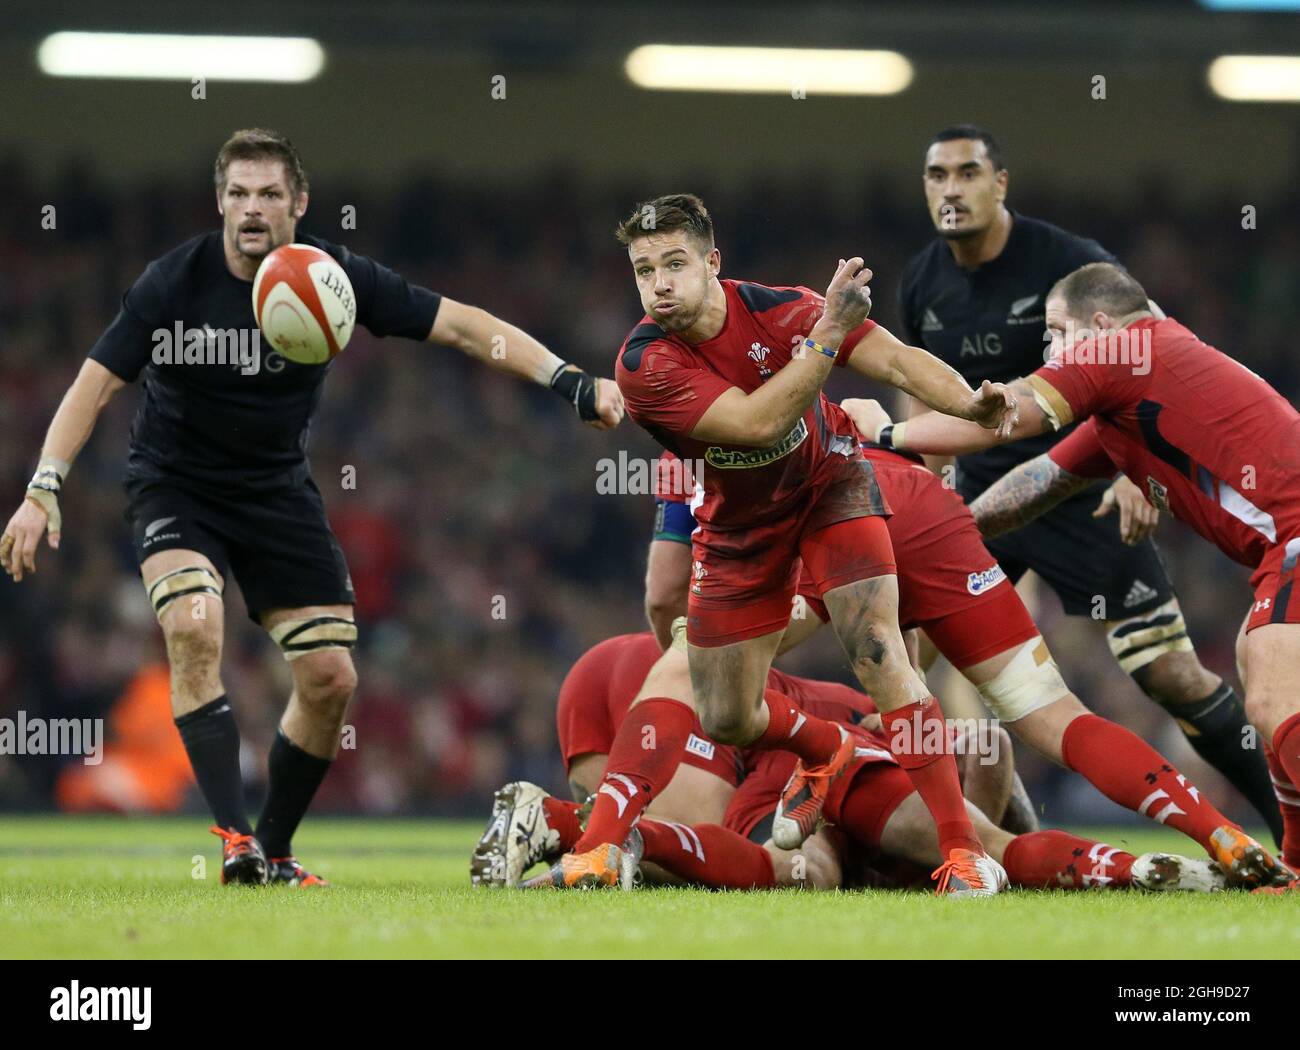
<point>326,681</point>
<point>1267,708</point>
<point>873,656</point>
<point>727,723</point>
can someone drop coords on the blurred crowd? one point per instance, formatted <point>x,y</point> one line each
<point>484,559</point>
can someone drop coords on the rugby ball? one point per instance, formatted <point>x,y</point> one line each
<point>304,303</point>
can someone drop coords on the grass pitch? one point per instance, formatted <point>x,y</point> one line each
<point>127,888</point>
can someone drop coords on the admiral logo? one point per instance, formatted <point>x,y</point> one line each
<point>740,459</point>
<point>696,746</point>
<point>979,582</point>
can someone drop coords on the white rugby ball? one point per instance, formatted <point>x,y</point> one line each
<point>304,303</point>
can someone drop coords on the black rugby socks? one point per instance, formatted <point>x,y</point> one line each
<point>212,742</point>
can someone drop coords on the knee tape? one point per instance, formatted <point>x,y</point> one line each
<point>1029,682</point>
<point>298,637</point>
<point>1139,640</point>
<point>192,579</point>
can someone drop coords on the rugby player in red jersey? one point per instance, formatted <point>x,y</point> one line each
<point>731,372</point>
<point>705,829</point>
<point>950,586</point>
<point>1206,438</point>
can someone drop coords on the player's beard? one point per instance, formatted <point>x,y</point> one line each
<point>259,254</point>
<point>680,320</point>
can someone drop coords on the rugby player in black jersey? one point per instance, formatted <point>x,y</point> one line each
<point>218,485</point>
<point>975,298</point>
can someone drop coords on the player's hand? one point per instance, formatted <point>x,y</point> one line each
<point>609,405</point>
<point>867,415</point>
<point>21,537</point>
<point>994,407</point>
<point>1137,518</point>
<point>848,299</point>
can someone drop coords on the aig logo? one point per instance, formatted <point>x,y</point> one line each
<point>989,345</point>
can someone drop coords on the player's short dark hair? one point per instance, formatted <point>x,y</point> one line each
<point>1100,286</point>
<point>675,211</point>
<point>260,144</point>
<point>973,131</point>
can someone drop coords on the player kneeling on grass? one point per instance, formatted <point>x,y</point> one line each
<point>711,825</point>
<point>1205,438</point>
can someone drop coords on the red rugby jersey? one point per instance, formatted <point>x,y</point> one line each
<point>1206,438</point>
<point>668,384</point>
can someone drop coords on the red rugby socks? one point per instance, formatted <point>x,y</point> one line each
<point>789,728</point>
<point>562,817</point>
<point>1127,770</point>
<point>644,756</point>
<point>1056,859</point>
<point>707,855</point>
<point>1284,767</point>
<point>918,738</point>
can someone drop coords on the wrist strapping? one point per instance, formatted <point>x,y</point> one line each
<point>43,489</point>
<point>577,388</point>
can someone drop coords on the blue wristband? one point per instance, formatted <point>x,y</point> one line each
<point>812,344</point>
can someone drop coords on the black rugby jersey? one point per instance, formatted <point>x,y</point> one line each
<point>988,323</point>
<point>230,427</point>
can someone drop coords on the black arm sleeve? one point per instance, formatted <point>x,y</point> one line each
<point>127,344</point>
<point>387,303</point>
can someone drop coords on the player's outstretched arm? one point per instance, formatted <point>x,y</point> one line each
<point>933,433</point>
<point>70,429</point>
<point>502,346</point>
<point>1023,494</point>
<point>762,418</point>
<point>883,357</point>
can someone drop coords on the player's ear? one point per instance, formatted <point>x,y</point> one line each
<point>1001,179</point>
<point>713,261</point>
<point>300,206</point>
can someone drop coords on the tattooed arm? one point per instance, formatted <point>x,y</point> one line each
<point>1020,496</point>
